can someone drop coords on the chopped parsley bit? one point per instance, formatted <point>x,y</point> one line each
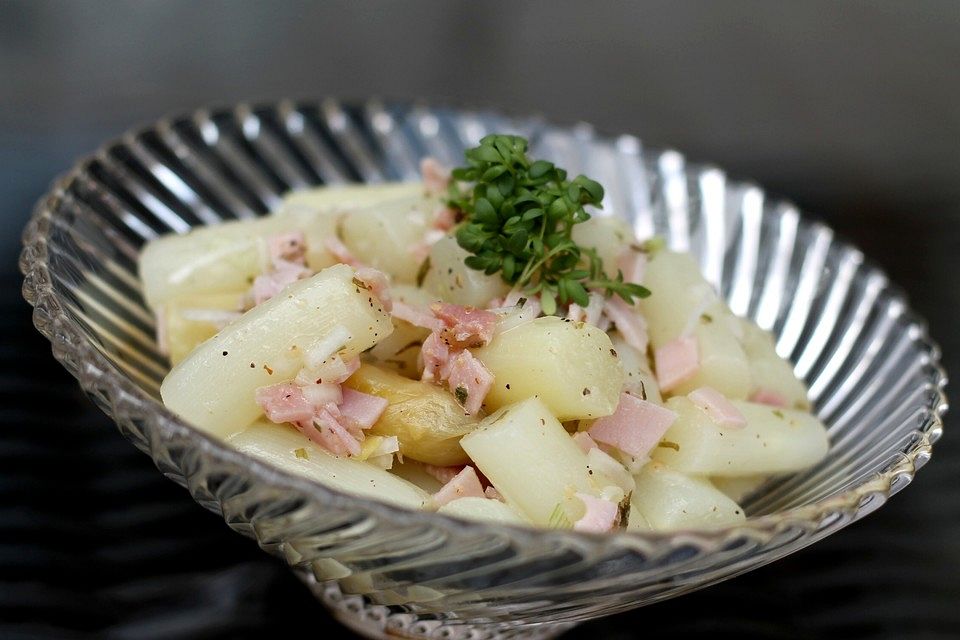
<point>666,444</point>
<point>778,413</point>
<point>519,216</point>
<point>706,318</point>
<point>301,453</point>
<point>654,245</point>
<point>461,394</point>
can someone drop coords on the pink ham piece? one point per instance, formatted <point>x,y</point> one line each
<point>362,409</point>
<point>677,361</point>
<point>720,410</point>
<point>590,314</point>
<point>769,397</point>
<point>291,247</point>
<point>421,250</point>
<point>284,403</point>
<point>469,381</point>
<point>635,427</point>
<point>444,219</point>
<point>436,358</point>
<point>584,441</point>
<point>465,484</point>
<point>600,517</point>
<point>268,285</point>
<point>436,177</point>
<point>632,264</point>
<point>443,474</point>
<point>629,323</point>
<point>328,431</point>
<point>377,283</point>
<point>465,327</point>
<point>340,251</point>
<point>415,316</point>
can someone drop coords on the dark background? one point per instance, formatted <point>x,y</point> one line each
<point>852,109</point>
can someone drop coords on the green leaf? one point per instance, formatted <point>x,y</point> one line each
<point>484,211</point>
<point>509,267</point>
<point>532,214</point>
<point>558,208</point>
<point>506,183</point>
<point>475,262</point>
<point>577,293</point>
<point>540,168</point>
<point>493,173</point>
<point>517,242</point>
<point>548,303</point>
<point>495,197</point>
<point>487,154</point>
<point>592,187</point>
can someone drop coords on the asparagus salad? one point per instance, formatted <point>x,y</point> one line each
<point>477,344</point>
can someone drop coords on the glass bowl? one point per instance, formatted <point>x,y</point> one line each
<point>873,373</point>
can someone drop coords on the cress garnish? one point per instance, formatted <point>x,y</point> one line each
<point>519,216</point>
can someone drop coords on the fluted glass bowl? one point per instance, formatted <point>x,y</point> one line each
<point>873,373</point>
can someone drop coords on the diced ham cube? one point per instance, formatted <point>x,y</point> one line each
<point>362,408</point>
<point>720,410</point>
<point>436,177</point>
<point>469,381</point>
<point>290,247</point>
<point>590,314</point>
<point>465,484</point>
<point>340,251</point>
<point>436,358</point>
<point>677,361</point>
<point>584,441</point>
<point>635,427</point>
<point>284,403</point>
<point>465,327</point>
<point>628,321</point>
<point>268,285</point>
<point>769,397</point>
<point>377,283</point>
<point>415,316</point>
<point>331,434</point>
<point>633,265</point>
<point>443,474</point>
<point>444,218</point>
<point>600,517</point>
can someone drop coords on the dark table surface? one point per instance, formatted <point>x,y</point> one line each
<point>851,109</point>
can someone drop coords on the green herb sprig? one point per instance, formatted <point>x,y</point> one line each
<point>519,216</point>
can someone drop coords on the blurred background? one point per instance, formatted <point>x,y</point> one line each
<point>851,109</point>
